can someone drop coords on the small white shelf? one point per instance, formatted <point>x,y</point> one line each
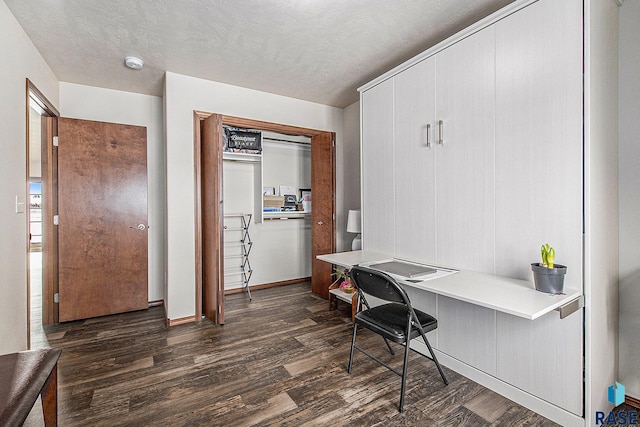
<point>241,157</point>
<point>286,215</point>
<point>342,295</point>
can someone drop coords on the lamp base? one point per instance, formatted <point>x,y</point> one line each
<point>356,245</point>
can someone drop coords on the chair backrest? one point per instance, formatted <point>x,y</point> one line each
<point>378,284</point>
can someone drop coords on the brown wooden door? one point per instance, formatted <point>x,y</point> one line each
<point>49,165</point>
<point>212,220</point>
<point>102,207</point>
<point>323,230</point>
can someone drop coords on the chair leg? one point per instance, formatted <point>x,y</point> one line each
<point>386,341</point>
<point>435,359</point>
<point>353,346</point>
<point>405,367</point>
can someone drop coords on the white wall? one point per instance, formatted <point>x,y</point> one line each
<point>601,203</point>
<point>183,95</point>
<point>20,60</point>
<point>350,169</point>
<point>629,154</point>
<point>107,105</point>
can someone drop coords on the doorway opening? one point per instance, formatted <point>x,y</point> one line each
<point>209,212</point>
<point>41,199</point>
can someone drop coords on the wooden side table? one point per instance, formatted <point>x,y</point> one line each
<point>335,294</point>
<point>25,376</point>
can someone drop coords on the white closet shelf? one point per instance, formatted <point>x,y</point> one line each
<point>241,157</point>
<point>287,215</point>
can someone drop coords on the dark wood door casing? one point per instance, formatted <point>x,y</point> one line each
<point>102,199</point>
<point>323,230</point>
<point>212,219</point>
<point>49,176</point>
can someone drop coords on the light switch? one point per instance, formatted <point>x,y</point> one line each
<point>19,205</point>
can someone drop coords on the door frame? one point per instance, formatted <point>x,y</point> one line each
<point>49,206</point>
<point>217,289</point>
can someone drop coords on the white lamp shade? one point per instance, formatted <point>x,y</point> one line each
<point>353,222</point>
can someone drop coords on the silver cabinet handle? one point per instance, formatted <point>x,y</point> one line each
<point>440,133</point>
<point>428,135</point>
<point>320,222</point>
<point>140,227</point>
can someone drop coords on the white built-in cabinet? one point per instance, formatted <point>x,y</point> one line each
<point>377,165</point>
<point>465,104</point>
<point>539,189</point>
<point>443,142</point>
<point>413,100</point>
<point>539,137</point>
<point>467,332</point>
<point>472,158</point>
<point>543,357</point>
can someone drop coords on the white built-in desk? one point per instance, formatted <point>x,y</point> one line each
<point>503,294</point>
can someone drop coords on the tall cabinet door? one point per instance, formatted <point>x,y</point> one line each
<point>377,168</point>
<point>539,188</point>
<point>415,191</point>
<point>539,138</point>
<point>465,103</point>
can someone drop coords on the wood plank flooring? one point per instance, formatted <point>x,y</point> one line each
<point>280,360</point>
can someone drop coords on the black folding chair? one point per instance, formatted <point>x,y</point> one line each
<point>396,320</point>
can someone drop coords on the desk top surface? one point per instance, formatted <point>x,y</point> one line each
<point>512,296</point>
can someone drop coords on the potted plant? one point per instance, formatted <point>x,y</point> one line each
<point>344,280</point>
<point>548,276</point>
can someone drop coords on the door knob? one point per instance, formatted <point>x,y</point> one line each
<point>140,227</point>
<point>320,222</point>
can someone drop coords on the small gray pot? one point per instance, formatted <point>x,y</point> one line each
<point>549,280</point>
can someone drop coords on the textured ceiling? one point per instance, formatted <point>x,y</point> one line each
<point>316,50</point>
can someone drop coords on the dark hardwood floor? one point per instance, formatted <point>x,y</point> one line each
<point>280,360</point>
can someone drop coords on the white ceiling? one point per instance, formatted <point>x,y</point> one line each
<point>316,50</point>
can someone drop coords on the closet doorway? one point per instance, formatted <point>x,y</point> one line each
<point>208,148</point>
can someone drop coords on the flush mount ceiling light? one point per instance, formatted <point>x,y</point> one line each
<point>133,62</point>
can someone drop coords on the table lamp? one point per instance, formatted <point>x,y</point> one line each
<point>353,226</point>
